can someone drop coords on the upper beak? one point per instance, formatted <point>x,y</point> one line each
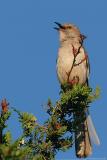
<point>59,25</point>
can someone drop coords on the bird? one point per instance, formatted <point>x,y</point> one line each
<point>73,68</point>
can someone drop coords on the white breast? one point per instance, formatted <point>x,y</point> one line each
<point>65,62</point>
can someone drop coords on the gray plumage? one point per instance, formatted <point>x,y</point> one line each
<point>72,68</point>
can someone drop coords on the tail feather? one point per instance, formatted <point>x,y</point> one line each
<point>92,132</point>
<point>84,137</point>
<point>82,142</point>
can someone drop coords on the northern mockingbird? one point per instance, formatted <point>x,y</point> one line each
<point>73,68</point>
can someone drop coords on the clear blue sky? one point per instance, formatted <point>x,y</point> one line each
<point>28,52</point>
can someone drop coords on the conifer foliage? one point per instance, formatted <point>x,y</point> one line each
<point>42,142</point>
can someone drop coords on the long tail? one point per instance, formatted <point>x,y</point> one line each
<point>92,131</point>
<point>83,145</point>
<point>84,137</point>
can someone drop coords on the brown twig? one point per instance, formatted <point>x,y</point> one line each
<point>85,58</point>
<point>75,53</point>
<point>4,106</point>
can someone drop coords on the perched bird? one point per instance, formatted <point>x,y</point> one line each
<point>73,68</point>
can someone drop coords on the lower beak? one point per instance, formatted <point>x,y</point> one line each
<point>56,28</point>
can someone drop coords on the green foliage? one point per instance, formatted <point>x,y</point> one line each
<point>28,122</point>
<point>13,151</point>
<point>42,142</point>
<point>7,138</point>
<point>3,118</point>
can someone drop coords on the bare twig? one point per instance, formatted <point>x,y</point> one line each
<point>75,53</point>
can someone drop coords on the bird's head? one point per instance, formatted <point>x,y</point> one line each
<point>69,32</point>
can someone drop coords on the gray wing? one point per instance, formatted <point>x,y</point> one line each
<point>88,70</point>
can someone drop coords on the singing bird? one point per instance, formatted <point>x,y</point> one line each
<point>73,68</point>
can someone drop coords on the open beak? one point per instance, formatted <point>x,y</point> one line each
<point>59,26</point>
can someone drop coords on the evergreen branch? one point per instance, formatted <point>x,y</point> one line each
<point>42,142</point>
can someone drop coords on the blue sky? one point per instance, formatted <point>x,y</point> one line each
<point>28,52</point>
